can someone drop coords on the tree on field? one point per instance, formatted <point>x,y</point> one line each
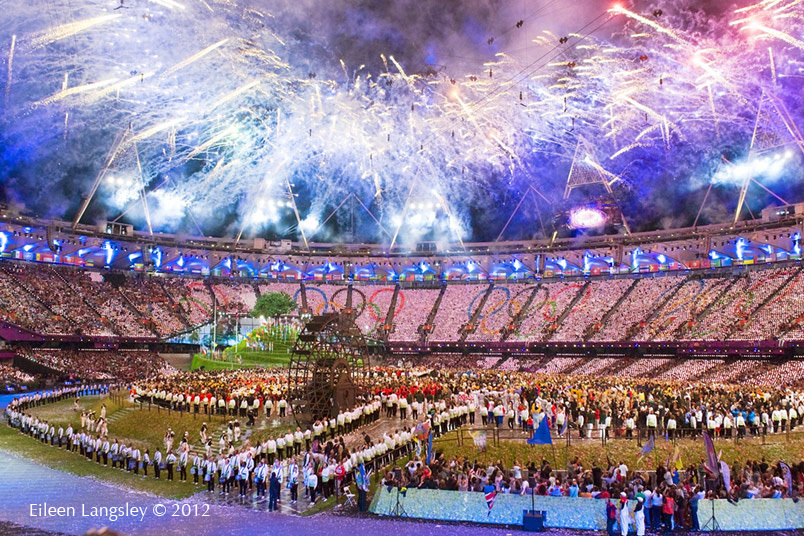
<point>273,304</point>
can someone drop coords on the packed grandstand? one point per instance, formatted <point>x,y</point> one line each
<point>734,319</point>
<point>523,254</point>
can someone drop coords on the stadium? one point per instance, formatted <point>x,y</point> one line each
<point>485,266</point>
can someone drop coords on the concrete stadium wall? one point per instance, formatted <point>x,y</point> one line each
<point>576,513</point>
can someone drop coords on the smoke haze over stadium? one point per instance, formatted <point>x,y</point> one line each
<point>430,113</point>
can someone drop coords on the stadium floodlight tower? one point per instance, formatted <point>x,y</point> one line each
<point>328,369</point>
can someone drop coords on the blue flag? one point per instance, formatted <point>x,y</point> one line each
<point>564,428</point>
<point>648,446</point>
<point>541,436</point>
<point>429,448</point>
<point>361,477</point>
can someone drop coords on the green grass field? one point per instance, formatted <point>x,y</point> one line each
<point>240,356</point>
<point>146,428</point>
<point>62,413</point>
<point>690,451</point>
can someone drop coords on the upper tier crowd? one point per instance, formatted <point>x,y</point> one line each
<point>757,304</point>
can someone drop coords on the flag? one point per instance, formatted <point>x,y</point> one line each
<point>479,439</point>
<point>429,449</point>
<point>361,477</point>
<point>541,436</point>
<point>491,494</point>
<point>787,477</point>
<point>726,472</point>
<point>677,456</point>
<point>711,464</point>
<point>647,448</point>
<point>422,430</point>
<point>564,427</point>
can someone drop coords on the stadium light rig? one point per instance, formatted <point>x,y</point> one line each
<point>635,258</point>
<point>157,257</point>
<point>587,261</point>
<point>109,249</point>
<point>741,247</point>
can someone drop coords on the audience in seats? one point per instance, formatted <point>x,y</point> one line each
<point>597,298</point>
<point>765,303</point>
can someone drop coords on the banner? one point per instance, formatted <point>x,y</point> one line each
<point>788,478</point>
<point>429,448</point>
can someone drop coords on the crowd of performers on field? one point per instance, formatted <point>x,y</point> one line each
<point>335,451</point>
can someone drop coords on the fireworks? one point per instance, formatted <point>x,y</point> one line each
<point>10,64</point>
<point>224,118</point>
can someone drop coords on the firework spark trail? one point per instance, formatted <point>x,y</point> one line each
<point>226,133</point>
<point>791,5</point>
<point>115,87</point>
<point>714,110</point>
<point>234,94</point>
<point>10,64</point>
<point>170,4</point>
<point>68,92</point>
<point>252,120</point>
<point>789,39</point>
<point>155,129</point>
<point>66,30</point>
<point>195,57</point>
<point>653,24</point>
